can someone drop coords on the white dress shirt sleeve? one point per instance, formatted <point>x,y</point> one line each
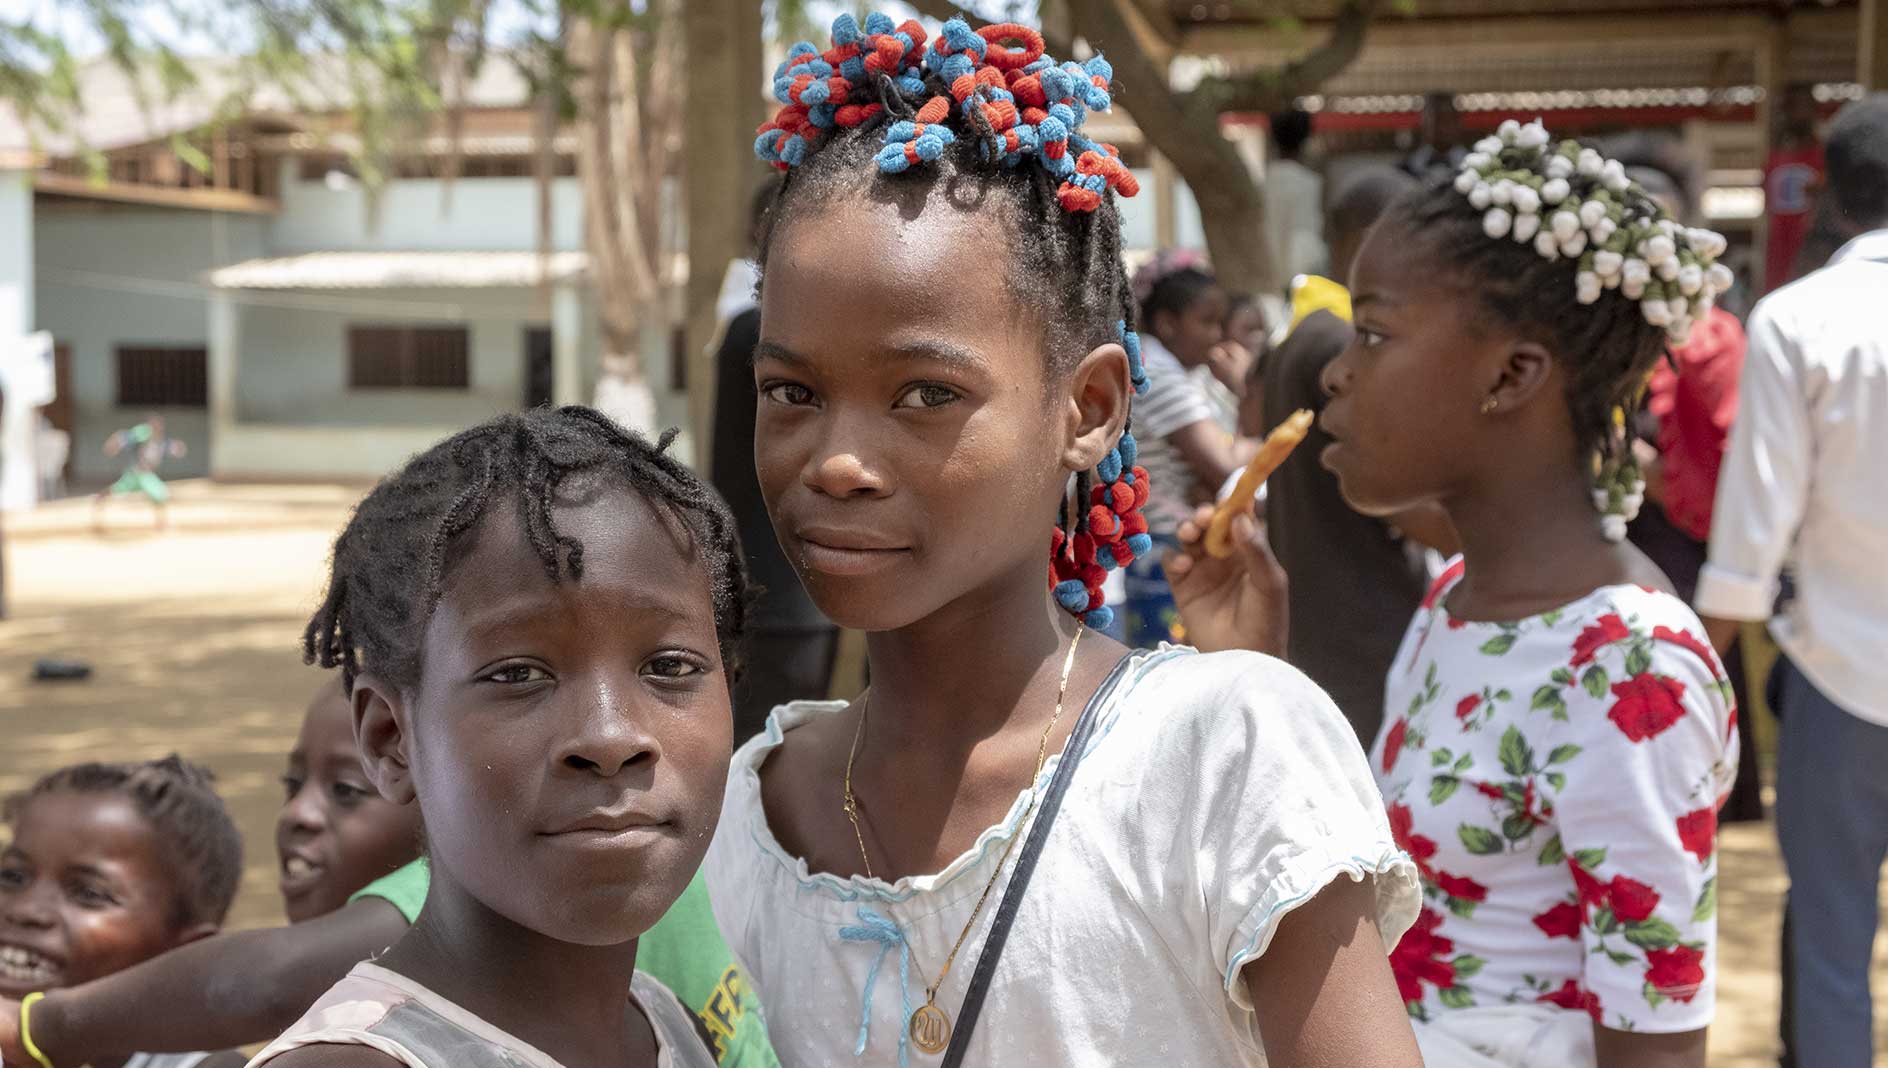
<point>1764,486</point>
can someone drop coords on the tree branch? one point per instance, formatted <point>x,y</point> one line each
<point>1273,90</point>
<point>945,10</point>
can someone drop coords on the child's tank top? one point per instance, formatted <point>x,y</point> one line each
<point>391,1013</point>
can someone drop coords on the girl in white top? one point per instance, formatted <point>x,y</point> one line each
<point>940,350</point>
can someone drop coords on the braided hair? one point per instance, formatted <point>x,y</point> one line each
<point>1608,348</point>
<point>390,563</point>
<point>994,127</point>
<point>195,834</point>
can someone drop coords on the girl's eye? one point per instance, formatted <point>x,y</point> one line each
<point>90,896</point>
<point>518,675</point>
<point>348,795</point>
<point>12,877</point>
<point>1368,338</point>
<point>791,394</point>
<point>290,787</point>
<point>927,395</point>
<point>672,666</point>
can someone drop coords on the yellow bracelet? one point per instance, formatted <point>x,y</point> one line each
<point>26,1036</point>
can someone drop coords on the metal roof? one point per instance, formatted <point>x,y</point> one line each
<point>403,270</point>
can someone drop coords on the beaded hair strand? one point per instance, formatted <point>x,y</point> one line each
<point>993,97</point>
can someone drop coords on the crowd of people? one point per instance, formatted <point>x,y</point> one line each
<point>1436,779</point>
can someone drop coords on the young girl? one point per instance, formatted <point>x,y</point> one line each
<point>942,351</point>
<point>535,619</point>
<point>334,834</point>
<point>1558,733</point>
<point>111,864</point>
<point>1186,444</point>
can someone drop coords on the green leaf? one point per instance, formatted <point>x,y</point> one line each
<point>1590,858</point>
<point>1556,780</point>
<point>1464,764</point>
<point>1545,697</point>
<point>1457,997</point>
<point>1479,840</point>
<point>1652,996</point>
<point>1514,793</point>
<point>1605,922</point>
<point>1652,934</point>
<point>1462,907</point>
<point>1517,827</point>
<point>1707,901</point>
<point>1415,704</point>
<point>1551,618</point>
<point>1563,753</point>
<point>1504,694</point>
<point>1622,958</point>
<point>1595,681</point>
<point>1429,677</point>
<point>1440,757</point>
<point>1516,757</point>
<point>1466,966</point>
<point>1553,852</point>
<point>1563,676</point>
<point>1442,787</point>
<point>1498,645</point>
<point>1638,658</point>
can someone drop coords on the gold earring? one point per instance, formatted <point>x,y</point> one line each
<point>1489,404</point>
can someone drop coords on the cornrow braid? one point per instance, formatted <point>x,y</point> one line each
<point>390,563</point>
<point>878,110</point>
<point>197,839</point>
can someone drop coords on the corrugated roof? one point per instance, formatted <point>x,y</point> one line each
<point>403,270</point>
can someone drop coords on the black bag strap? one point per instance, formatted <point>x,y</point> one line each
<point>1072,753</point>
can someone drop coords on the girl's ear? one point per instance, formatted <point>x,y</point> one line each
<point>1525,369</point>
<point>380,733</point>
<point>1096,407</point>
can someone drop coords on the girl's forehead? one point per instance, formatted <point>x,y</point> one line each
<point>861,275</point>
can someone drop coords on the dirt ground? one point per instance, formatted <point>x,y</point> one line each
<point>192,634</point>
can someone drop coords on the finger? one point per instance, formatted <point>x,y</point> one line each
<point>1255,551</point>
<point>1177,566</point>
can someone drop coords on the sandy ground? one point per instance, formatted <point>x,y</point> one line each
<point>193,637</point>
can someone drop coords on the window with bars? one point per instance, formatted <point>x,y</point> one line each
<point>407,357</point>
<point>163,376</point>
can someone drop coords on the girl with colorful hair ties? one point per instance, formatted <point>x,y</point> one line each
<point>1023,844</point>
<point>1558,734</point>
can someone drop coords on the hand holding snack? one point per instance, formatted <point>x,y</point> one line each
<point>1234,602</point>
<point>1276,447</point>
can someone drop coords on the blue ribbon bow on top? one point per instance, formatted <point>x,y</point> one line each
<point>875,927</point>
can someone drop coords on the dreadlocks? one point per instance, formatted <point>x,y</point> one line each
<point>390,563</point>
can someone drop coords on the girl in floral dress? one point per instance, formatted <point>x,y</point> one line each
<point>1558,734</point>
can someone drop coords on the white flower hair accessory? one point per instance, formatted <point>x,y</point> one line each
<point>1568,201</point>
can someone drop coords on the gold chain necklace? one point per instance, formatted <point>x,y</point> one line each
<point>930,1026</point>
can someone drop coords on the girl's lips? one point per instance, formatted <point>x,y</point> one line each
<point>847,562</point>
<point>300,874</point>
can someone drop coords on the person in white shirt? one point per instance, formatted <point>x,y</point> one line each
<point>1802,486</point>
<point>1294,200</point>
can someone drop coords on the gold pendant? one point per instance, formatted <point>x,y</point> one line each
<point>930,1028</point>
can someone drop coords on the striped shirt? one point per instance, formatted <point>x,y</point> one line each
<point>1174,400</point>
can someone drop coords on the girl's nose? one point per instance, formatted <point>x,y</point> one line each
<point>1335,378</point>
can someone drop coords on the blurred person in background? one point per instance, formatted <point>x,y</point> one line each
<point>1792,174</point>
<point>1294,199</point>
<point>1440,139</point>
<point>1802,487</point>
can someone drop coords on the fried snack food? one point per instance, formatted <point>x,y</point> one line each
<point>1272,452</point>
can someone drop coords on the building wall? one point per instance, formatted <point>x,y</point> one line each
<point>422,215</point>
<point>110,276</point>
<point>293,364</point>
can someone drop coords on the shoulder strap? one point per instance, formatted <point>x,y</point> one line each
<point>1072,753</point>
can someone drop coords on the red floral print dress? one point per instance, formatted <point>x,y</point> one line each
<point>1557,782</point>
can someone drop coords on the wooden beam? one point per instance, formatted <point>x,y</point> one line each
<point>68,185</point>
<point>1871,67</point>
<point>1545,36</point>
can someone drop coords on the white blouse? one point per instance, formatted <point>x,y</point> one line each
<point>1218,793</point>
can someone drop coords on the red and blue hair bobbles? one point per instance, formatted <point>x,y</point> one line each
<point>1109,529</point>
